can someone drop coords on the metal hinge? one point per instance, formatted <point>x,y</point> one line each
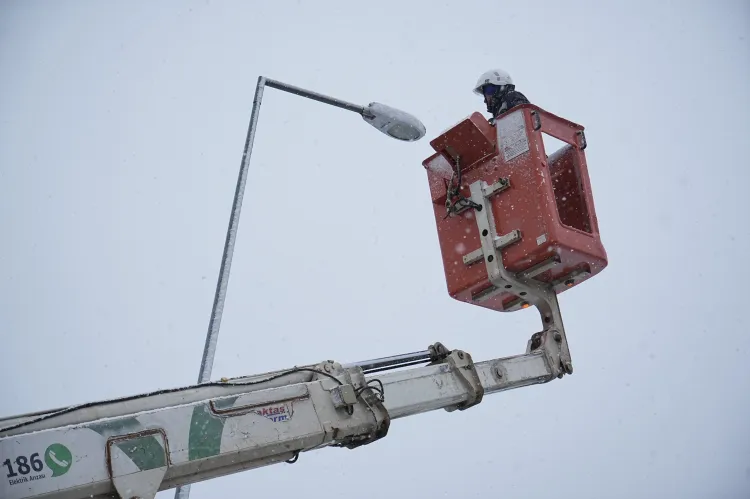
<point>463,366</point>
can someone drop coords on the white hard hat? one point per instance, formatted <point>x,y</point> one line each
<point>492,77</point>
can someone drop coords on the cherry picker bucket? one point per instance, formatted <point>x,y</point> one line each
<point>541,208</point>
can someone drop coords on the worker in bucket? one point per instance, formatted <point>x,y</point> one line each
<point>499,92</point>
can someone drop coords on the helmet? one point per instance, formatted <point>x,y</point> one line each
<point>492,77</point>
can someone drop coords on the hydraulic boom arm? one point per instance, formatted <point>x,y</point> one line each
<point>530,219</point>
<point>135,446</point>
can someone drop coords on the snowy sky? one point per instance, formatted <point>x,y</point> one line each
<point>121,130</point>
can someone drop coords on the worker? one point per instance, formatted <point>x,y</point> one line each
<point>499,93</point>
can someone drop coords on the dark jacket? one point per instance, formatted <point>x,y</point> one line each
<point>510,100</point>
<point>505,101</point>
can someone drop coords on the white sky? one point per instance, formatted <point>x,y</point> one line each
<point>121,130</point>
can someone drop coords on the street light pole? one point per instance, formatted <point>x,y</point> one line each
<point>226,258</point>
<point>392,122</point>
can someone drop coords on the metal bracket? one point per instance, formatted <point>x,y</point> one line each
<point>438,352</point>
<point>500,242</point>
<point>541,268</point>
<point>366,400</point>
<point>137,463</point>
<point>462,364</point>
<point>496,188</point>
<point>529,291</point>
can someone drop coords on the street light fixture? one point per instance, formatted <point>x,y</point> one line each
<point>393,122</point>
<point>390,121</point>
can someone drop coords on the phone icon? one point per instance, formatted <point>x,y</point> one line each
<point>59,459</point>
<point>60,462</point>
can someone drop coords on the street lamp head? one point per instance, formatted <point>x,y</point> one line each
<point>394,122</point>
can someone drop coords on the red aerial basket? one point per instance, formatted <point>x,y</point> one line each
<point>542,218</point>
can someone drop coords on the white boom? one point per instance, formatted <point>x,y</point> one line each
<point>135,446</point>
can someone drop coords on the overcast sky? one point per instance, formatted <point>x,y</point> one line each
<point>121,130</point>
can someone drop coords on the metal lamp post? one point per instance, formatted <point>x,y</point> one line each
<point>392,122</point>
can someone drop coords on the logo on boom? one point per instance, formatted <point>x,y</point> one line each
<point>276,412</point>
